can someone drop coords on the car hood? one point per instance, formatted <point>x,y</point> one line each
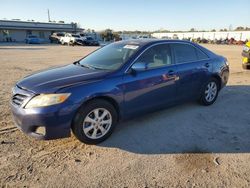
<point>52,80</point>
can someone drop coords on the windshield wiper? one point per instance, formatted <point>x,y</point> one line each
<point>98,68</point>
<point>88,66</point>
<point>82,65</point>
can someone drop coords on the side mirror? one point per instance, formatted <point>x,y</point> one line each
<point>140,66</point>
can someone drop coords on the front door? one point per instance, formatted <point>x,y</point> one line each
<point>154,87</point>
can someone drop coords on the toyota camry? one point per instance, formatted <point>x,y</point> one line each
<point>116,82</point>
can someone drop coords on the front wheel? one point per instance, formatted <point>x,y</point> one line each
<point>209,92</point>
<point>95,122</point>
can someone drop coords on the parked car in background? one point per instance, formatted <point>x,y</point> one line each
<point>246,56</point>
<point>71,39</point>
<point>119,81</point>
<point>32,39</point>
<point>89,41</point>
<point>55,37</point>
<point>143,37</point>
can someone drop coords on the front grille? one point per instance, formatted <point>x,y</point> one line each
<point>18,99</point>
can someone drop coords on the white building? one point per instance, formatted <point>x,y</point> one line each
<point>237,35</point>
<point>17,31</point>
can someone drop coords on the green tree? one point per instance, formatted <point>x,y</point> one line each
<point>107,35</point>
<point>240,28</point>
<point>192,29</point>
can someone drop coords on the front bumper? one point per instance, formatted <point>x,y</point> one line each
<point>54,120</point>
<point>57,123</point>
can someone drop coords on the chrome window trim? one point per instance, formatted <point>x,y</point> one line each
<point>152,45</point>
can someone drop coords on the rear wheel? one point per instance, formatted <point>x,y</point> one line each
<point>209,92</point>
<point>95,122</point>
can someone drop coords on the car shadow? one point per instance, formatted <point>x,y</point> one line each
<point>223,127</point>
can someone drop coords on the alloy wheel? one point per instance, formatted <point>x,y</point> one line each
<point>97,123</point>
<point>211,91</point>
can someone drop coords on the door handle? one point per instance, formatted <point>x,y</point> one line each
<point>207,65</point>
<point>171,73</point>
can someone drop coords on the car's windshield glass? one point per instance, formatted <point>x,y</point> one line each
<point>60,34</point>
<point>76,36</point>
<point>32,36</point>
<point>110,57</point>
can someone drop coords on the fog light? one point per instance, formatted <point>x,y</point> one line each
<point>41,131</point>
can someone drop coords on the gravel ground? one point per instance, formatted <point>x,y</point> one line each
<point>185,146</point>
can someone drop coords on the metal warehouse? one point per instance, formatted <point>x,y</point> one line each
<point>17,31</point>
<point>237,35</point>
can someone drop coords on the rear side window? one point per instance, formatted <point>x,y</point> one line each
<point>201,55</point>
<point>185,53</point>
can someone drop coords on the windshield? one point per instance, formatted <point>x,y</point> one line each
<point>60,34</point>
<point>110,57</point>
<point>76,36</point>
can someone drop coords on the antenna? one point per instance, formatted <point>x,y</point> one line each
<point>48,16</point>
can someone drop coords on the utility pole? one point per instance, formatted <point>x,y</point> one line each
<point>48,16</point>
<point>230,27</point>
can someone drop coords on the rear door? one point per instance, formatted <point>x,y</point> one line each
<point>193,67</point>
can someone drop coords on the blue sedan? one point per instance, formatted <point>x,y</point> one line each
<point>119,81</point>
<point>32,39</point>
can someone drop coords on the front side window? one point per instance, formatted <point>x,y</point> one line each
<point>156,56</point>
<point>110,57</point>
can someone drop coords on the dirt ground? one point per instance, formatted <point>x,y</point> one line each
<point>185,146</point>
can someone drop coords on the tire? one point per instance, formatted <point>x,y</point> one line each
<point>209,92</point>
<point>88,129</point>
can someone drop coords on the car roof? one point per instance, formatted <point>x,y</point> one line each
<point>143,42</point>
<point>149,42</point>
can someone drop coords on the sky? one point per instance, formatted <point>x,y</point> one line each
<point>147,15</point>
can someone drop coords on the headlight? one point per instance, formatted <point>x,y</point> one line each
<point>246,49</point>
<point>47,100</point>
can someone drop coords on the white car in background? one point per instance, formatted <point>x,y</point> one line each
<point>71,39</point>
